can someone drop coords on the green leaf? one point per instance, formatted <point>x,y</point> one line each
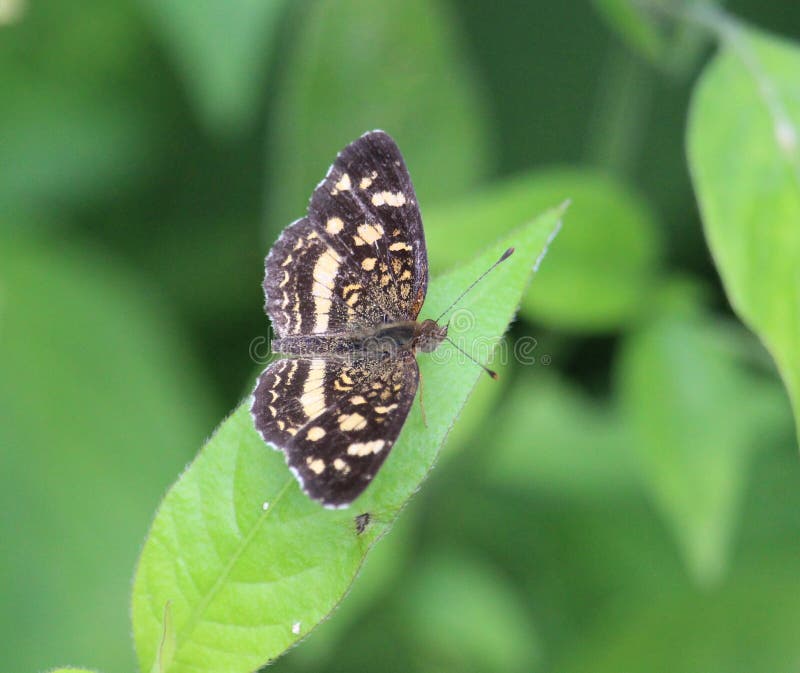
<point>71,670</point>
<point>358,65</point>
<point>462,615</point>
<point>220,50</point>
<point>100,404</point>
<point>248,563</point>
<point>698,412</point>
<point>749,624</point>
<point>483,399</point>
<point>601,273</point>
<point>377,580</point>
<point>581,446</point>
<point>745,164</point>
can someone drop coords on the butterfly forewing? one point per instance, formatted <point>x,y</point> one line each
<point>335,421</point>
<point>367,210</point>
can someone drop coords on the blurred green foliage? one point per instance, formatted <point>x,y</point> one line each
<point>626,501</point>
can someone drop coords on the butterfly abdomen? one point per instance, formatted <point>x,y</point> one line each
<point>389,339</point>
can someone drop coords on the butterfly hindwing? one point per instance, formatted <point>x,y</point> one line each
<point>335,421</point>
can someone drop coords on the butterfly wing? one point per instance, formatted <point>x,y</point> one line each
<point>358,258</point>
<point>335,421</point>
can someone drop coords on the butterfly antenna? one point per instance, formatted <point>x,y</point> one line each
<point>490,372</point>
<point>503,258</point>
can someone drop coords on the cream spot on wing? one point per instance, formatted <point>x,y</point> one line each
<point>313,398</point>
<point>316,465</point>
<point>358,240</point>
<point>357,399</point>
<point>341,465</point>
<point>334,225</point>
<point>385,410</point>
<point>292,431</point>
<point>394,247</point>
<point>285,279</point>
<point>395,199</point>
<point>366,181</point>
<point>346,379</point>
<point>292,372</point>
<point>349,288</point>
<point>273,411</point>
<point>370,233</point>
<point>343,185</point>
<point>369,263</point>
<point>316,433</point>
<point>288,260</point>
<point>324,274</point>
<point>281,425</point>
<point>352,300</point>
<point>352,421</point>
<point>365,448</point>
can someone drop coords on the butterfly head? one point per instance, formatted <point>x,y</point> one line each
<point>428,334</point>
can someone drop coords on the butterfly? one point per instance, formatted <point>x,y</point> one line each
<point>344,286</point>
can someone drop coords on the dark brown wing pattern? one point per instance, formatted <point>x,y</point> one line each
<point>356,261</point>
<point>335,421</point>
<point>358,258</point>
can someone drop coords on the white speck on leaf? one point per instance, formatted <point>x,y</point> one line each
<point>786,136</point>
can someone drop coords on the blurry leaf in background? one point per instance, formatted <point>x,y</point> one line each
<point>58,146</point>
<point>698,412</point>
<point>220,288</point>
<point>656,33</point>
<point>634,24</point>
<point>551,438</point>
<point>220,50</point>
<point>100,407</point>
<point>744,152</point>
<point>71,126</point>
<point>747,625</point>
<point>357,65</point>
<point>601,273</point>
<point>462,614</point>
<point>212,538</point>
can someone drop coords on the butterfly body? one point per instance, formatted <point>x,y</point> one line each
<point>385,340</point>
<point>344,286</point>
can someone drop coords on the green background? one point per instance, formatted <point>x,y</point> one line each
<point>627,502</point>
